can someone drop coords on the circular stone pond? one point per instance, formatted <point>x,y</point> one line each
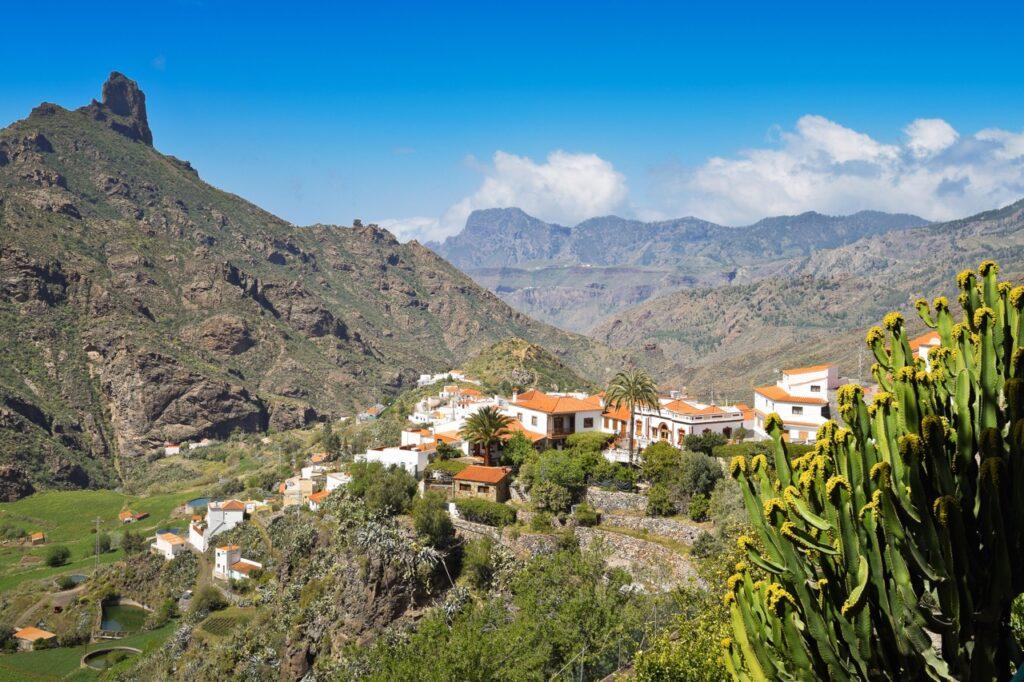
<point>101,659</point>
<point>122,617</point>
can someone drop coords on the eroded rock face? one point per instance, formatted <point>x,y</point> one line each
<point>14,484</point>
<point>222,334</point>
<point>123,108</point>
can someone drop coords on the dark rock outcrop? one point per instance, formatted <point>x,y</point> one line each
<point>14,484</point>
<point>123,108</point>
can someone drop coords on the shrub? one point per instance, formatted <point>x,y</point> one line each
<point>549,496</point>
<point>705,545</point>
<point>661,463</point>
<point>477,562</point>
<point>660,502</point>
<point>613,476</point>
<point>517,450</point>
<point>725,506</point>
<point>479,510</point>
<point>431,519</point>
<point>207,599</point>
<point>132,542</point>
<point>540,522</point>
<point>388,490</point>
<point>593,441</point>
<point>167,610</point>
<point>445,451</point>
<point>698,474</point>
<point>586,515</point>
<point>65,582</point>
<point>705,442</point>
<point>57,555</point>
<point>103,542</point>
<point>561,467</point>
<point>699,507</point>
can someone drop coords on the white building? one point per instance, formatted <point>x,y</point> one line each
<point>411,458</point>
<point>316,500</point>
<point>228,564</point>
<point>801,398</point>
<point>313,471</point>
<point>296,490</point>
<point>924,343</point>
<point>678,418</point>
<point>168,545</point>
<point>556,415</point>
<point>220,517</point>
<point>171,448</point>
<point>454,375</point>
<point>335,480</point>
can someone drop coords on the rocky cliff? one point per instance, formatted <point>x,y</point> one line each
<point>139,304</point>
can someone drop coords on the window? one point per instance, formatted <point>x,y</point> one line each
<point>533,420</point>
<point>815,388</point>
<point>588,422</point>
<point>465,487</point>
<point>483,489</point>
<point>519,416</point>
<point>558,424</point>
<point>797,409</point>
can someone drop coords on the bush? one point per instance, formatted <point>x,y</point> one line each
<point>561,467</point>
<point>431,520</point>
<point>445,451</point>
<point>207,599</point>
<point>541,522</point>
<point>549,496</point>
<point>705,545</point>
<point>725,506</point>
<point>57,555</point>
<point>479,510</point>
<point>11,532</point>
<point>593,441</point>
<point>699,507</point>
<point>103,542</point>
<point>132,542</point>
<point>477,562</point>
<point>613,476</point>
<point>167,610</point>
<point>516,451</point>
<point>586,515</point>
<point>698,474</point>
<point>705,442</point>
<point>661,463</point>
<point>386,490</point>
<point>65,582</point>
<point>660,501</point>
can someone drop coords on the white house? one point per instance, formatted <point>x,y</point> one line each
<point>312,471</point>
<point>296,490</point>
<point>172,448</point>
<point>412,459</point>
<point>801,398</point>
<point>168,544</point>
<point>317,499</point>
<point>335,480</point>
<point>228,564</point>
<point>924,343</point>
<point>675,419</point>
<point>556,415</point>
<point>220,517</point>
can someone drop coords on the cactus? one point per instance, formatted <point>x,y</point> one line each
<point>895,548</point>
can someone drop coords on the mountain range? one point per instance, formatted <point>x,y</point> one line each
<point>576,276</point>
<point>139,304</point>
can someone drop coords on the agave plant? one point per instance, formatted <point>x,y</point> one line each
<point>894,549</point>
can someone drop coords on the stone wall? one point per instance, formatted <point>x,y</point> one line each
<point>525,544</point>
<point>612,502</point>
<point>651,565</point>
<point>680,531</point>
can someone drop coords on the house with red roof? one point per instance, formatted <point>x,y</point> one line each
<point>801,398</point>
<point>556,416</point>
<point>489,483</point>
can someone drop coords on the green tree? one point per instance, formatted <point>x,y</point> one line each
<point>329,440</point>
<point>387,490</point>
<point>103,543</point>
<point>661,463</point>
<point>550,496</point>
<point>516,450</point>
<point>485,428</point>
<point>704,442</point>
<point>698,474</point>
<point>57,555</point>
<point>432,521</point>
<point>699,507</point>
<point>632,389</point>
<point>660,502</point>
<point>896,548</point>
<point>477,562</point>
<point>132,542</point>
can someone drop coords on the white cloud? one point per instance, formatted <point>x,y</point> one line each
<point>566,188</point>
<point>824,166</point>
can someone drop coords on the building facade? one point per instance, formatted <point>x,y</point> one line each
<point>801,398</point>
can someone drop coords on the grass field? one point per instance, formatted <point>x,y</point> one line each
<point>68,517</point>
<point>57,664</point>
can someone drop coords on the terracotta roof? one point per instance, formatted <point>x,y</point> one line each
<point>621,413</point>
<point>517,426</point>
<point>426,447</point>
<point>125,514</point>
<point>319,497</point>
<point>480,474</point>
<point>777,394</point>
<point>747,410</point>
<point>470,392</point>
<point>553,404</point>
<point>244,566</point>
<point>171,538</point>
<point>37,536</point>
<point>806,370</point>
<point>31,634</point>
<point>447,437</point>
<point>318,457</point>
<point>232,505</point>
<point>228,548</point>
<point>929,339</point>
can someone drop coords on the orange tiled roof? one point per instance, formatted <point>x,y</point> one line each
<point>37,536</point>
<point>244,566</point>
<point>232,505</point>
<point>929,339</point>
<point>480,474</point>
<point>517,426</point>
<point>471,392</point>
<point>683,407</point>
<point>320,496</point>
<point>805,370</point>
<point>553,404</point>
<point>747,410</point>
<point>777,394</point>
<point>31,634</point>
<point>125,514</point>
<point>790,422</point>
<point>621,413</point>
<point>448,437</point>
<point>171,538</point>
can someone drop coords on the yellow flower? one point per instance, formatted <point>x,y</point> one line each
<point>772,421</point>
<point>772,504</point>
<point>836,482</point>
<point>745,542</point>
<point>737,466</point>
<point>881,473</point>
<point>758,462</point>
<point>892,320</point>
<point>874,335</point>
<point>964,279</point>
<point>1016,297</point>
<point>983,315</point>
<point>987,266</point>
<point>941,303</point>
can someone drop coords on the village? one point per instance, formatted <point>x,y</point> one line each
<point>455,444</point>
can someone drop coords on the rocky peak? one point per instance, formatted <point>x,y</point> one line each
<point>123,100</point>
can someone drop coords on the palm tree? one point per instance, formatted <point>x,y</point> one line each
<point>485,428</point>
<point>632,388</point>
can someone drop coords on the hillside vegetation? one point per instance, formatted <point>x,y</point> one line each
<point>139,304</point>
<point>518,364</point>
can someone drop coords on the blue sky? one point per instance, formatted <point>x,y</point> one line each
<point>401,112</point>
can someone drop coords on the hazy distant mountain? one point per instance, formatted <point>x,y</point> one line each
<point>732,337</point>
<point>574,277</point>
